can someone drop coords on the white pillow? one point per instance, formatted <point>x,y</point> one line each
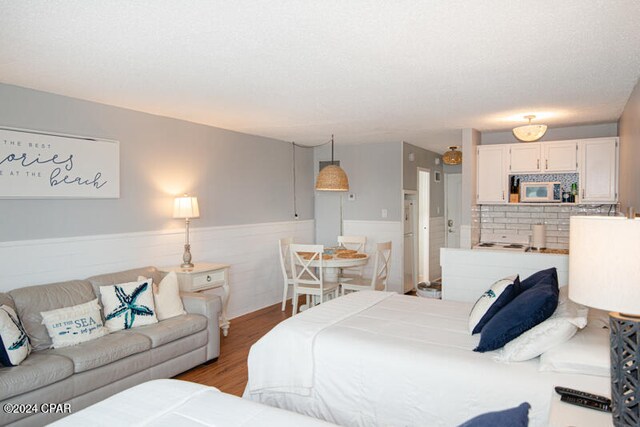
<point>487,299</point>
<point>128,305</point>
<point>166,296</point>
<point>586,353</point>
<point>557,329</point>
<point>14,342</point>
<point>73,325</point>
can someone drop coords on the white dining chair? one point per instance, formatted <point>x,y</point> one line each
<point>285,265</point>
<point>378,281</point>
<point>308,280</point>
<point>356,243</point>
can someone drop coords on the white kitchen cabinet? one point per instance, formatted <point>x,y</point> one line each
<point>559,157</point>
<point>492,174</point>
<point>598,170</point>
<point>524,158</point>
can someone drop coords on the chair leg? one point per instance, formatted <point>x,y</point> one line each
<point>295,303</point>
<point>284,294</point>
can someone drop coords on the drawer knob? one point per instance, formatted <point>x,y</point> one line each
<point>208,278</point>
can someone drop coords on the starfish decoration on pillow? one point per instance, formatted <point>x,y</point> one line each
<point>22,339</point>
<point>128,306</point>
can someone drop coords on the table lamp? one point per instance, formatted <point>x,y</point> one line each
<point>186,207</point>
<point>604,273</point>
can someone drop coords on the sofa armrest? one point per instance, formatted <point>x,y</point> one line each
<point>209,306</point>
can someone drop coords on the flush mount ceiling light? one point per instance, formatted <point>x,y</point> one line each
<point>332,177</point>
<point>452,157</point>
<point>529,133</point>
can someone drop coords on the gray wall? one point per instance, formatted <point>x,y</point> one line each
<point>374,172</point>
<point>424,159</point>
<point>238,178</point>
<point>629,127</point>
<point>556,134</point>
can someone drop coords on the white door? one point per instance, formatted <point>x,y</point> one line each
<point>492,179</point>
<point>599,170</point>
<point>424,195</point>
<point>453,195</point>
<point>560,157</point>
<point>524,158</point>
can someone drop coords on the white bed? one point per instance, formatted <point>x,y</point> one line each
<point>174,403</point>
<point>374,358</point>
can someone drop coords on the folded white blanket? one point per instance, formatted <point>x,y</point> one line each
<point>290,369</point>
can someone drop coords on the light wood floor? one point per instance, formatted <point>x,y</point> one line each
<point>229,372</point>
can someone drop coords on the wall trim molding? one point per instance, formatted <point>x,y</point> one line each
<point>164,232</point>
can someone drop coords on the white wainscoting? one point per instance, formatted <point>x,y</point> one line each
<point>467,273</point>
<point>436,241</point>
<point>250,249</point>
<point>381,231</point>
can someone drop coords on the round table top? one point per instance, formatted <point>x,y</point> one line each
<point>340,262</point>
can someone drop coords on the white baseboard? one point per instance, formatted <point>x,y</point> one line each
<point>250,249</point>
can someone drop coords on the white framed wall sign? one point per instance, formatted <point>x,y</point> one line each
<point>41,165</point>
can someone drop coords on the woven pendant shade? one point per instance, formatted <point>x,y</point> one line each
<point>332,178</point>
<point>452,157</point>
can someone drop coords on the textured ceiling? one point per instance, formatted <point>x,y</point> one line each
<point>368,71</point>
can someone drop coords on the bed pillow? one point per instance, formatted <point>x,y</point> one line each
<point>557,329</point>
<point>166,297</point>
<point>514,417</point>
<point>74,325</point>
<point>587,353</point>
<point>499,294</point>
<point>530,308</point>
<point>14,343</point>
<point>128,305</point>
<point>529,282</point>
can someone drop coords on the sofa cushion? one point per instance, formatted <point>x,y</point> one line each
<point>172,329</point>
<point>5,299</point>
<point>37,370</point>
<point>124,277</point>
<point>33,300</point>
<point>104,350</point>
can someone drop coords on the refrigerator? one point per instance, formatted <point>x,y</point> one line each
<point>409,246</point>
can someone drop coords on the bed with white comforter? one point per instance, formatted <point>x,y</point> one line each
<point>377,358</point>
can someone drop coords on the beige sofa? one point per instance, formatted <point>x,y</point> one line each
<point>89,372</point>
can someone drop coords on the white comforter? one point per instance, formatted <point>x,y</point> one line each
<point>174,403</point>
<point>394,360</point>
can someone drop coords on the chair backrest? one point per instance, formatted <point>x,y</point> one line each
<point>381,264</point>
<point>285,260</point>
<point>357,243</point>
<point>301,270</point>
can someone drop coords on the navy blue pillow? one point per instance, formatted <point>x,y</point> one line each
<point>530,308</point>
<point>537,277</point>
<point>505,298</point>
<point>514,417</point>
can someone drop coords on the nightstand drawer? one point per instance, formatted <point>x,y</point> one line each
<point>208,280</point>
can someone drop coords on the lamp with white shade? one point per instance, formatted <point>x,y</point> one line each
<point>186,208</point>
<point>604,273</point>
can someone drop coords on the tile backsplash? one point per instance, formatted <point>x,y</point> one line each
<point>518,219</point>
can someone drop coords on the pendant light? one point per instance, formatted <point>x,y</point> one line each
<point>529,133</point>
<point>332,177</point>
<point>452,157</point>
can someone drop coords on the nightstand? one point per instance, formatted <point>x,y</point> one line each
<point>566,415</point>
<point>203,277</point>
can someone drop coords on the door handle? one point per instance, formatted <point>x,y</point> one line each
<point>546,164</point>
<point>450,223</point>
<point>538,167</point>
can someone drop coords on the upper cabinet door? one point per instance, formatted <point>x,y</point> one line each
<point>492,177</point>
<point>524,158</point>
<point>560,157</point>
<point>598,170</point>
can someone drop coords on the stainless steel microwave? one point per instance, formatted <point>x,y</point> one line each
<point>531,192</point>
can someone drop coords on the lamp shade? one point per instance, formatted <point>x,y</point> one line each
<point>186,207</point>
<point>604,263</point>
<point>453,156</point>
<point>530,133</point>
<point>332,178</point>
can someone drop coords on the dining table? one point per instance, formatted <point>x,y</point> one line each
<point>331,266</point>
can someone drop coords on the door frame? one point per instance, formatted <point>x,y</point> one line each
<point>423,263</point>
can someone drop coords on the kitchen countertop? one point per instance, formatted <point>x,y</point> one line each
<point>549,251</point>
